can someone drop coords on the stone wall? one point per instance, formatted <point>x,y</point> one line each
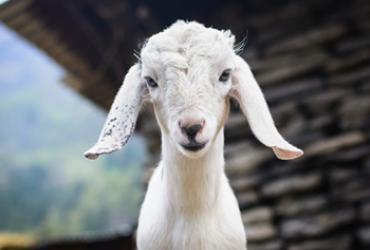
<point>311,59</point>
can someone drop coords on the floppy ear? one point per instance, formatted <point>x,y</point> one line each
<point>122,116</point>
<point>253,104</point>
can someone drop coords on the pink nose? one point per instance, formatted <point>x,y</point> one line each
<point>191,127</point>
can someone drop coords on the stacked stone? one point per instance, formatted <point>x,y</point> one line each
<point>312,60</point>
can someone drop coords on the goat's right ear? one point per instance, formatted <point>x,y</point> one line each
<point>246,91</point>
<point>122,116</point>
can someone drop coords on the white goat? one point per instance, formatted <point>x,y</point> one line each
<point>189,72</point>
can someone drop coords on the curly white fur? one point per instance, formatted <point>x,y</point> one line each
<point>189,203</point>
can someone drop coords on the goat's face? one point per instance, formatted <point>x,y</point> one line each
<point>189,72</point>
<point>188,76</point>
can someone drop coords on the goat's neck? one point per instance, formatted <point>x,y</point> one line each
<point>192,185</point>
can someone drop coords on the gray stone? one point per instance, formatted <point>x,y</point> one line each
<point>260,232</point>
<point>343,174</point>
<point>236,148</point>
<point>365,212</point>
<point>242,147</point>
<point>236,121</point>
<point>273,62</point>
<point>353,190</point>
<point>308,138</point>
<point>302,65</point>
<point>308,39</point>
<point>247,198</point>
<point>293,184</point>
<point>364,87</point>
<point>279,169</point>
<point>350,78</point>
<point>347,61</point>
<point>295,206</point>
<point>243,183</point>
<point>319,122</point>
<point>353,43</point>
<point>330,145</point>
<point>338,242</point>
<point>257,215</point>
<point>351,153</point>
<point>363,25</point>
<point>266,245</point>
<point>293,90</point>
<point>354,111</point>
<point>367,166</point>
<point>309,226</point>
<point>364,235</point>
<point>236,127</point>
<point>319,103</point>
<point>282,112</point>
<point>295,127</point>
<point>244,163</point>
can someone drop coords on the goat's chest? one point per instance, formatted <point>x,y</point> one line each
<point>161,227</point>
<point>186,233</point>
<point>204,232</point>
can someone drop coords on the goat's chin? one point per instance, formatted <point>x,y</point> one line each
<point>193,154</point>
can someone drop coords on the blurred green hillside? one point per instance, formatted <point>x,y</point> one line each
<point>47,187</point>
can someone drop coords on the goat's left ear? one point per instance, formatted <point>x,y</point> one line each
<point>122,116</point>
<point>246,91</point>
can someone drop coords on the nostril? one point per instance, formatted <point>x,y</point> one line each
<point>192,131</point>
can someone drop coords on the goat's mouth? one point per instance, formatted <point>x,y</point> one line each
<point>194,146</point>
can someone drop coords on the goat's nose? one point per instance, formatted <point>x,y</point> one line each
<point>191,130</point>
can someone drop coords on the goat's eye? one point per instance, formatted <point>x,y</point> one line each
<point>151,83</point>
<point>225,76</point>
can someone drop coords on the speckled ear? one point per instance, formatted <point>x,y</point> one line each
<point>253,104</point>
<point>122,116</point>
